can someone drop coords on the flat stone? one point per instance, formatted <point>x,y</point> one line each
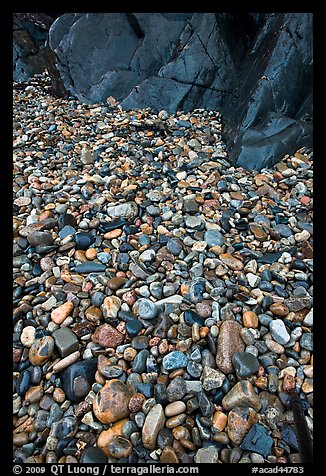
<point>193,221</point>
<point>242,394</point>
<point>229,341</point>
<point>127,211</point>
<point>191,317</point>
<point>83,240</point>
<point>231,262</point>
<point>116,283</point>
<point>38,238</point>
<point>154,422</point>
<point>65,340</point>
<point>111,402</point>
<point>90,267</point>
<point>258,440</point>
<point>174,246</point>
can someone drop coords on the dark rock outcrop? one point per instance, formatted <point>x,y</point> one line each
<point>30,31</point>
<point>255,68</point>
<point>271,112</point>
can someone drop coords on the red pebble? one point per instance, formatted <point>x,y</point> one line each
<point>305,200</point>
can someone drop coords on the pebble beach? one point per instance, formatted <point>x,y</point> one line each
<point>163,298</point>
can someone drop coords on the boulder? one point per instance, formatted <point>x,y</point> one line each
<point>255,68</point>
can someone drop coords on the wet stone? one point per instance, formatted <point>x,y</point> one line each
<point>94,455</point>
<point>146,309</point>
<point>90,267</point>
<point>154,422</point>
<point>83,240</point>
<point>279,332</point>
<point>111,402</point>
<point>107,336</point>
<point>176,390</point>
<point>245,364</point>
<point>240,420</point>
<point>77,379</point>
<point>41,351</point>
<point>65,341</point>
<point>242,394</point>
<point>174,360</point>
<point>213,238</point>
<point>229,341</point>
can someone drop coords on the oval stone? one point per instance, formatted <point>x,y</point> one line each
<point>111,402</point>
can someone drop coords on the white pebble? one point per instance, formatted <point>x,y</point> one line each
<point>302,236</point>
<point>27,337</point>
<point>309,319</point>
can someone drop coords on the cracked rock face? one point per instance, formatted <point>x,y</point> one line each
<point>29,35</point>
<point>256,69</point>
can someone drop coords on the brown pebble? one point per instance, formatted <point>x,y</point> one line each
<point>116,283</point>
<point>176,420</point>
<point>250,319</point>
<point>169,456</point>
<point>129,354</point>
<point>110,235</point>
<point>93,314</point>
<point>175,408</point>
<point>279,309</point>
<point>229,341</point>
<point>106,436</point>
<point>20,439</point>
<point>219,420</point>
<point>240,420</point>
<point>34,394</point>
<point>189,445</point>
<point>288,383</point>
<point>231,261</point>
<point>181,432</point>
<point>91,253</point>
